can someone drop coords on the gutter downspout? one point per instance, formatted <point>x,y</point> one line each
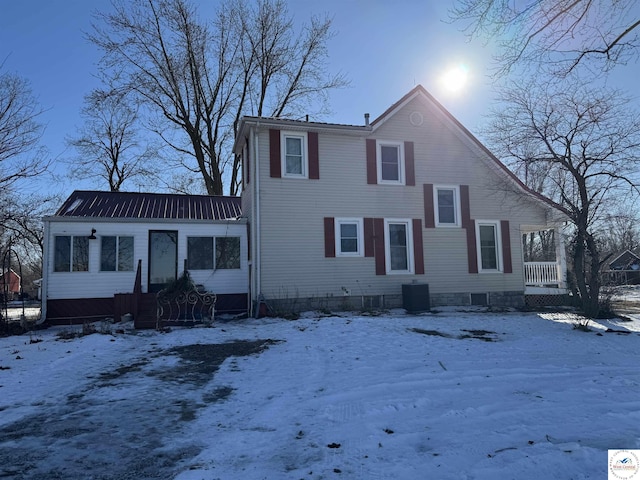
<point>44,288</point>
<point>255,213</point>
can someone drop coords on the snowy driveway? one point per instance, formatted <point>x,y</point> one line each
<point>447,396</point>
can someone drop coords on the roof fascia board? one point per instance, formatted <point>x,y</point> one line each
<point>282,123</point>
<point>59,219</point>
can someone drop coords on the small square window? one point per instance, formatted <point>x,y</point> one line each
<point>349,237</point>
<point>390,162</point>
<point>294,154</point>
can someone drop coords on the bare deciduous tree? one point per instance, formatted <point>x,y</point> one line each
<point>620,231</point>
<point>558,35</point>
<point>20,131</point>
<point>588,143</point>
<point>20,159</point>
<point>200,78</point>
<point>109,144</point>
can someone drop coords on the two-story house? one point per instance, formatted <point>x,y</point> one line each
<point>344,215</point>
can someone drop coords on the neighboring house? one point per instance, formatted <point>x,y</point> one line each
<point>10,285</point>
<point>624,269</point>
<point>344,215</point>
<point>100,244</point>
<point>627,260</point>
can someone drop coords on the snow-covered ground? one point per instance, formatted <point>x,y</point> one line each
<point>452,395</point>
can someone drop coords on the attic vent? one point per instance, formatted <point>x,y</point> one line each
<point>76,203</point>
<point>416,119</point>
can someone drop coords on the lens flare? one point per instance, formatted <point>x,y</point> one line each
<point>455,78</point>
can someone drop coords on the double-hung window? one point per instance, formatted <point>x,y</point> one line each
<point>447,206</point>
<point>488,244</point>
<point>349,235</point>
<point>71,254</point>
<point>294,154</point>
<point>116,254</point>
<point>399,246</point>
<point>390,160</point>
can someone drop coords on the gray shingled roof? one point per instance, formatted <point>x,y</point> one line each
<point>149,205</point>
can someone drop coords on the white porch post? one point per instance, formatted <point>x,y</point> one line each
<point>561,256</point>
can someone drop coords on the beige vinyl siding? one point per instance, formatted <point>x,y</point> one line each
<point>292,236</point>
<point>98,284</point>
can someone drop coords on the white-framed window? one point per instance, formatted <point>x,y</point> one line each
<point>489,245</point>
<point>349,237</point>
<point>116,253</point>
<point>390,159</point>
<point>398,244</point>
<point>228,253</point>
<point>446,199</point>
<point>294,154</point>
<point>71,254</point>
<point>200,253</point>
<point>207,253</point>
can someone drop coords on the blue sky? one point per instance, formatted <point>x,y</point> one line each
<point>384,47</point>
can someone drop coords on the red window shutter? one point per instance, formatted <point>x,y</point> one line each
<point>275,165</point>
<point>472,249</point>
<point>418,250</point>
<point>314,159</point>
<point>429,212</point>
<point>506,246</point>
<point>378,232</point>
<point>409,164</point>
<point>372,174</point>
<point>329,237</point>
<point>368,238</point>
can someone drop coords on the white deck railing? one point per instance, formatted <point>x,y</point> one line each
<point>542,273</point>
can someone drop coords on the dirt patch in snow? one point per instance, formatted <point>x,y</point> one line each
<point>484,335</point>
<point>116,427</point>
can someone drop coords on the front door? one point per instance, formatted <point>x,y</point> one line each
<point>163,258</point>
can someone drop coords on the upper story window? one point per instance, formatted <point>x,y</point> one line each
<point>349,235</point>
<point>398,246</point>
<point>447,204</point>
<point>294,154</point>
<point>488,244</point>
<point>71,254</point>
<point>116,254</point>
<point>390,162</point>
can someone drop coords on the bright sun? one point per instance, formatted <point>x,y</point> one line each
<point>455,78</point>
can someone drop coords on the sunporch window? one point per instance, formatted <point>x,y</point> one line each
<point>208,253</point>
<point>116,254</point>
<point>200,253</point>
<point>71,254</point>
